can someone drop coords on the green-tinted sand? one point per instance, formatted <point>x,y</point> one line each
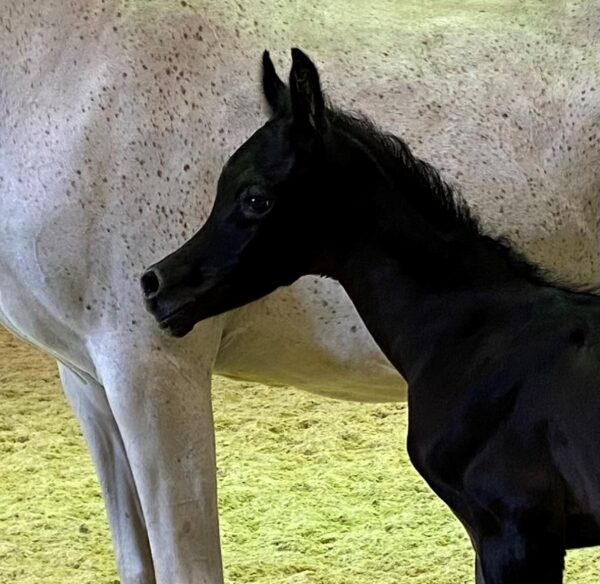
<point>311,491</point>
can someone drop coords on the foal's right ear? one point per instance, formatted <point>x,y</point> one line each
<point>274,88</point>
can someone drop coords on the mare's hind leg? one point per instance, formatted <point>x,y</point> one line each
<point>513,558</point>
<point>88,400</point>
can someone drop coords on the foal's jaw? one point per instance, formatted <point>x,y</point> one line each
<point>183,304</point>
<point>179,291</point>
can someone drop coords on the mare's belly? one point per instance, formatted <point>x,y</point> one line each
<point>308,336</point>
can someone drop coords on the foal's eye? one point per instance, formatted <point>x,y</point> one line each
<point>256,203</point>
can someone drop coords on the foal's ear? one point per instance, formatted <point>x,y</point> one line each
<point>274,88</point>
<point>307,98</point>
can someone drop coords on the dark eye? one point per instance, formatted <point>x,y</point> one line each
<point>256,202</point>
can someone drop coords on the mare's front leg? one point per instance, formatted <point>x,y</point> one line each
<point>130,540</point>
<point>158,389</point>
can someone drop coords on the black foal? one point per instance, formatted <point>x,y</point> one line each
<point>503,366</point>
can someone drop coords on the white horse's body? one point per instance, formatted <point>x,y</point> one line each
<point>115,118</point>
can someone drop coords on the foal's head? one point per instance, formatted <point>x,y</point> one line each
<point>283,208</point>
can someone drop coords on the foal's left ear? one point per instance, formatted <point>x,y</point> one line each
<point>307,98</point>
<point>275,91</point>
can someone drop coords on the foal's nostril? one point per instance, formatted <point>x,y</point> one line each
<point>150,283</point>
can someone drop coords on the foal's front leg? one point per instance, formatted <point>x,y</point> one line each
<point>479,578</point>
<point>514,558</point>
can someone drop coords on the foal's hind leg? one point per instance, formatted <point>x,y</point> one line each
<point>513,558</point>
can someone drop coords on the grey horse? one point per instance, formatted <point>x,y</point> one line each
<point>115,118</point>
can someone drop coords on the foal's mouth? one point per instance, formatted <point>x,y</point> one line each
<point>207,301</point>
<point>177,323</point>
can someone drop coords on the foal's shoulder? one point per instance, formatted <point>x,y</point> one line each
<point>574,316</point>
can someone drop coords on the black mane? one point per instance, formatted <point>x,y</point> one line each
<point>443,207</point>
<point>434,197</point>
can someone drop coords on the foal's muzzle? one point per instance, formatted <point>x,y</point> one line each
<point>170,289</point>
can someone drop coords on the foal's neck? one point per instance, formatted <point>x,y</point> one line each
<point>423,287</point>
<point>414,324</point>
